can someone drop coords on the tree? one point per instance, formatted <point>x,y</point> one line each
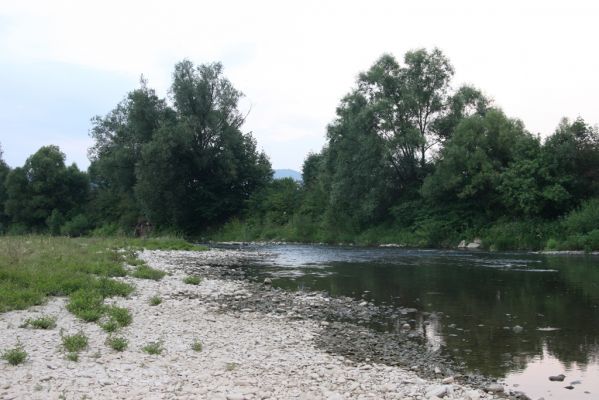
<point>202,167</point>
<point>473,161</point>
<point>44,185</point>
<point>4,171</point>
<point>119,137</point>
<point>571,157</point>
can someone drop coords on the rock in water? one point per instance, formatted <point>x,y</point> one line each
<point>517,329</point>
<point>557,378</point>
<point>267,281</point>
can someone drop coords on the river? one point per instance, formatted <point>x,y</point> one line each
<point>519,317</point>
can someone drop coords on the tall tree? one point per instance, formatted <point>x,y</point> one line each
<point>203,167</point>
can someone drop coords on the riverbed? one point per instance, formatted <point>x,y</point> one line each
<point>517,317</point>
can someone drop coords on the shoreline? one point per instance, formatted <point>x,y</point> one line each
<point>241,244</point>
<point>248,352</point>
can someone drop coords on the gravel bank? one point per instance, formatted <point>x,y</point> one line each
<point>248,352</point>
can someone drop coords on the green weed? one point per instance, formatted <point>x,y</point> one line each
<point>117,343</point>
<point>74,343</point>
<point>15,356</point>
<point>192,280</point>
<point>153,348</point>
<point>155,300</point>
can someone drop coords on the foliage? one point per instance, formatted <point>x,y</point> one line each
<point>153,348</point>
<point>44,190</point>
<point>43,322</point>
<point>117,343</point>
<point>15,356</point>
<point>155,300</point>
<point>74,343</point>
<point>146,272</point>
<point>34,267</point>
<point>192,280</point>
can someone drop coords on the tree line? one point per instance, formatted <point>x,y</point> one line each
<point>408,159</point>
<point>179,166</point>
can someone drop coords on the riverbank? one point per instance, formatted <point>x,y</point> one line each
<point>246,352</point>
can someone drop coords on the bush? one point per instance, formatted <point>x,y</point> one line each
<point>77,226</point>
<point>584,219</point>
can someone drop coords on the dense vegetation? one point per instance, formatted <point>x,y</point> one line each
<point>408,160</point>
<point>411,161</point>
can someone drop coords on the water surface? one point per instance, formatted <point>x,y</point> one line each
<point>475,304</point>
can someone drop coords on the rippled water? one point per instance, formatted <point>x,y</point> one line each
<point>478,300</point>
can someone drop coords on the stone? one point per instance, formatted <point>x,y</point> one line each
<point>462,245</point>
<point>472,395</point>
<point>517,329</point>
<point>448,380</point>
<point>475,244</point>
<point>557,378</point>
<point>495,388</point>
<point>267,281</point>
<point>437,391</point>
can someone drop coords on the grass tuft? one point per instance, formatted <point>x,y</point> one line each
<point>72,356</point>
<point>155,300</point>
<point>117,343</point>
<point>146,272</point>
<point>43,322</point>
<point>122,316</point>
<point>192,280</point>
<point>153,348</point>
<point>15,356</point>
<point>196,345</point>
<point>74,343</point>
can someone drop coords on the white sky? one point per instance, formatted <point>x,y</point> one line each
<point>293,60</point>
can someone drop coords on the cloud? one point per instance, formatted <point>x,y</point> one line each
<point>297,59</point>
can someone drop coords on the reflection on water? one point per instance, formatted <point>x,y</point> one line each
<point>517,316</point>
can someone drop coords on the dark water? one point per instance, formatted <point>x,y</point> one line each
<point>477,299</point>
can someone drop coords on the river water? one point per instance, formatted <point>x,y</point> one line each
<point>516,316</point>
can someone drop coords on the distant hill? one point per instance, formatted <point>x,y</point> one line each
<point>287,173</point>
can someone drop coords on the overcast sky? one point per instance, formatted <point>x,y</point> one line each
<point>62,62</point>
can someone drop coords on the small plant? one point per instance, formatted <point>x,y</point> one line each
<point>196,345</point>
<point>74,343</point>
<point>153,348</point>
<point>231,366</point>
<point>117,343</point>
<point>155,300</point>
<point>16,355</point>
<point>192,280</point>
<point>72,356</point>
<point>43,322</point>
<point>145,272</point>
<point>109,325</point>
<point>120,315</point>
